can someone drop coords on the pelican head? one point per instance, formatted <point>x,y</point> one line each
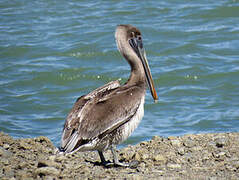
<point>130,44</point>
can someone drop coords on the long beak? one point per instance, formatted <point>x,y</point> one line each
<point>137,45</point>
<point>148,74</point>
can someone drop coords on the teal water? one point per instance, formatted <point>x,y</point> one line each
<point>52,52</point>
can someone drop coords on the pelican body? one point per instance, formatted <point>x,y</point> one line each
<point>108,115</point>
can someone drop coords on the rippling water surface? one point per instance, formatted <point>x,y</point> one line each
<point>52,52</point>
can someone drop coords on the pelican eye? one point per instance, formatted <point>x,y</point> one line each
<point>139,41</point>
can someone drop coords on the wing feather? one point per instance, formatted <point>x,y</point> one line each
<point>100,113</point>
<point>74,117</point>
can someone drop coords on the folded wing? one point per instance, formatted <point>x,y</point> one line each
<point>98,113</point>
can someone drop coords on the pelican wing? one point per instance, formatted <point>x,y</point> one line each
<point>101,114</point>
<point>72,122</point>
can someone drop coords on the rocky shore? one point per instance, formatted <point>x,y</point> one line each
<point>203,156</point>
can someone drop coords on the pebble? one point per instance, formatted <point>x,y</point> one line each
<point>85,170</point>
<point>218,154</point>
<point>136,177</point>
<point>23,145</point>
<point>175,143</point>
<point>159,158</point>
<point>143,143</point>
<point>44,163</point>
<point>52,158</point>
<point>220,142</point>
<point>188,143</point>
<point>174,166</point>
<point>144,156</point>
<point>137,156</point>
<point>47,171</point>
<point>5,153</point>
<point>185,157</point>
<point>60,158</point>
<point>6,146</point>
<point>156,139</point>
<point>181,151</point>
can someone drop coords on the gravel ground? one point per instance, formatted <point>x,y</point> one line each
<point>202,156</point>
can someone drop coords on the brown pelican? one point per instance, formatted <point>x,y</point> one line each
<point>108,115</point>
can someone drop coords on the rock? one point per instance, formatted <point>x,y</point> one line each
<point>45,163</point>
<point>4,161</point>
<point>218,154</point>
<point>220,142</point>
<point>172,138</point>
<point>60,158</point>
<point>52,158</point>
<point>8,171</point>
<point>136,177</point>
<point>160,158</point>
<point>156,139</point>
<point>23,175</point>
<point>137,156</point>
<point>176,143</point>
<point>214,156</point>
<point>144,156</point>
<point>4,153</point>
<point>24,146</point>
<point>46,171</point>
<point>174,166</point>
<point>197,148</point>
<point>85,170</point>
<point>22,165</point>
<point>6,146</point>
<point>143,143</point>
<point>188,143</point>
<point>181,151</point>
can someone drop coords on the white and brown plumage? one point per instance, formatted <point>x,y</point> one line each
<point>108,115</point>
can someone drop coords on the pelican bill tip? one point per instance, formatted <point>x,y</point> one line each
<point>156,101</point>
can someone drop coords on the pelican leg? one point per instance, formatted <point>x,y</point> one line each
<point>116,162</point>
<point>103,161</point>
<point>102,158</point>
<point>132,164</point>
<point>115,158</point>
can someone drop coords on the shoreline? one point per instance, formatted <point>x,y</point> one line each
<point>201,156</point>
